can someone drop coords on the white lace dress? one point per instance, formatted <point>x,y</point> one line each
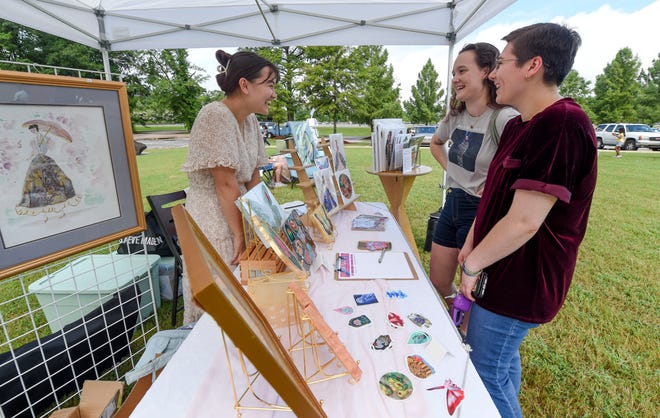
<point>216,140</point>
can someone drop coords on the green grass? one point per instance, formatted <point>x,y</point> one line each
<point>361,131</point>
<point>138,129</point>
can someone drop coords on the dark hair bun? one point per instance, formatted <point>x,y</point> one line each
<point>223,59</point>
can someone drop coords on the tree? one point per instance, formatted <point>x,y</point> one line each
<point>176,85</point>
<point>617,89</point>
<point>648,105</point>
<point>22,44</point>
<point>290,61</point>
<point>328,75</point>
<point>374,94</point>
<point>425,105</point>
<point>578,88</point>
<point>162,85</point>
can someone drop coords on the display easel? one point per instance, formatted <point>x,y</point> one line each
<point>308,334</point>
<point>250,380</point>
<point>307,184</point>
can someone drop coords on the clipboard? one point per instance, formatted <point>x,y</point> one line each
<point>395,265</point>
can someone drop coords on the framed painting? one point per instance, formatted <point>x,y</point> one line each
<point>67,168</point>
<point>218,292</point>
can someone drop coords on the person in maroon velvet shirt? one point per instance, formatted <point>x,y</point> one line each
<point>534,210</point>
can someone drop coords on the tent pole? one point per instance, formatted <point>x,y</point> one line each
<point>106,64</point>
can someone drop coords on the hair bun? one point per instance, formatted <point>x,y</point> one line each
<point>222,57</point>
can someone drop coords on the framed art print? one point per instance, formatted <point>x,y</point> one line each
<point>67,168</point>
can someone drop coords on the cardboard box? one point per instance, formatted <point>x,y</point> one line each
<point>98,399</point>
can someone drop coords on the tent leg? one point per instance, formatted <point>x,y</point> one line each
<point>106,64</point>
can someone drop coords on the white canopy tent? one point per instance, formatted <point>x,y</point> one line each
<point>116,25</point>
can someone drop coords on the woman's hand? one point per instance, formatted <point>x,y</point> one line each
<point>468,284</point>
<point>239,248</point>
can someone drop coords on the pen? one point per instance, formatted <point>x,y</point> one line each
<point>382,254</point>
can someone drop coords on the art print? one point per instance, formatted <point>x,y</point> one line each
<point>55,171</point>
<point>323,223</point>
<point>299,239</point>
<point>259,201</point>
<point>337,150</point>
<point>271,239</point>
<point>322,162</point>
<point>345,184</point>
<point>305,141</point>
<point>67,168</point>
<point>325,189</point>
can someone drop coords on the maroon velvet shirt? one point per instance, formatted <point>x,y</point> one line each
<point>553,153</point>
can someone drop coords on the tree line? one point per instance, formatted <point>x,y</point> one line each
<point>335,83</point>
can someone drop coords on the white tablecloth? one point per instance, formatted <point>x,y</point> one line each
<point>196,381</point>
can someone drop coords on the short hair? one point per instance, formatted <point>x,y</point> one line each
<point>486,57</point>
<point>243,64</point>
<point>556,44</point>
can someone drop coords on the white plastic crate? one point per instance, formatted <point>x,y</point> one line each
<point>87,282</point>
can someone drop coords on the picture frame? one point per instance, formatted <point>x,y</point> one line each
<point>86,192</point>
<point>215,288</point>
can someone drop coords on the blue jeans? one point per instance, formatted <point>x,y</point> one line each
<point>455,219</point>
<point>495,340</point>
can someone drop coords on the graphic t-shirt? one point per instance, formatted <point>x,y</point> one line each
<point>472,147</point>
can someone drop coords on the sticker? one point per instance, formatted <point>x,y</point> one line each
<point>455,395</point>
<point>346,310</point>
<point>365,299</point>
<point>359,321</point>
<point>395,385</point>
<point>397,294</point>
<point>374,245</point>
<point>419,337</point>
<point>383,342</point>
<point>394,320</point>
<point>419,320</point>
<point>418,366</point>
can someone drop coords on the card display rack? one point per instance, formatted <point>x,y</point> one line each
<point>307,184</point>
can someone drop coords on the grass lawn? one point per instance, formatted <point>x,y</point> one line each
<point>599,357</point>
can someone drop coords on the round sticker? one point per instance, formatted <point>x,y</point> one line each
<point>395,385</point>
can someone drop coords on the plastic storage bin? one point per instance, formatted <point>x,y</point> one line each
<point>87,282</point>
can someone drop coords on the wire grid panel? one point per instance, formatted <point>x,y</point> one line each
<point>87,317</point>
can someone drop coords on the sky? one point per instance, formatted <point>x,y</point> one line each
<point>605,28</point>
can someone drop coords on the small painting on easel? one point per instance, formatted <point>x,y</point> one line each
<point>325,189</point>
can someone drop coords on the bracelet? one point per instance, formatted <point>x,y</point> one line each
<point>468,272</point>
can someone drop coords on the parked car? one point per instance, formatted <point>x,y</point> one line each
<point>427,131</point>
<point>636,135</point>
<point>272,128</point>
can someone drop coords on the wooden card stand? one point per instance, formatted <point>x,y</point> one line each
<point>267,276</point>
<point>304,182</point>
<point>307,184</point>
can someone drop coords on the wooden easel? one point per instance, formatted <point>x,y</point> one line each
<point>307,184</point>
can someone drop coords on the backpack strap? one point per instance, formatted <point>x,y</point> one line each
<point>492,126</point>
